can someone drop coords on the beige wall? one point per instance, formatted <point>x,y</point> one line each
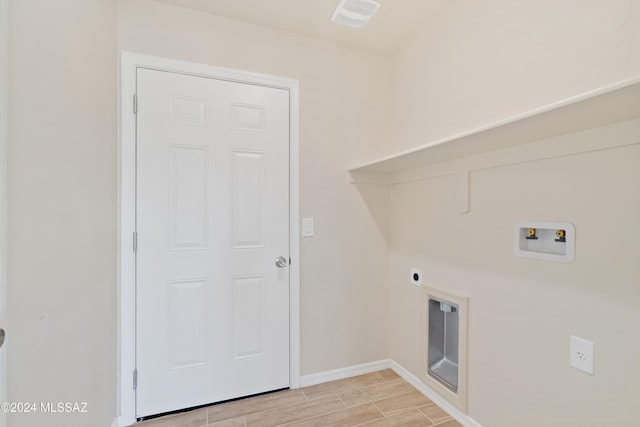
<point>344,113</point>
<point>476,63</point>
<point>483,61</point>
<point>61,185</point>
<point>522,311</point>
<point>62,189</point>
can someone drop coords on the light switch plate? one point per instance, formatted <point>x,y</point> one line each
<point>308,228</point>
<point>581,354</point>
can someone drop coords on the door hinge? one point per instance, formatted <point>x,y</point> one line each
<point>135,103</point>
<point>135,241</point>
<point>135,379</point>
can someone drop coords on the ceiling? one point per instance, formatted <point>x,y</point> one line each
<point>388,30</point>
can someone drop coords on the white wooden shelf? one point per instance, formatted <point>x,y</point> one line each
<point>605,106</point>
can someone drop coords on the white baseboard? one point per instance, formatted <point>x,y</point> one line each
<point>366,368</point>
<point>122,422</point>
<point>443,403</point>
<point>349,371</point>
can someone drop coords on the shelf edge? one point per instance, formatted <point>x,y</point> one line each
<point>558,105</point>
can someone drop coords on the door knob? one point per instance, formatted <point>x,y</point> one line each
<point>2,334</point>
<point>281,262</point>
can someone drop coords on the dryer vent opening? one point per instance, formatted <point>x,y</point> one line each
<point>442,349</point>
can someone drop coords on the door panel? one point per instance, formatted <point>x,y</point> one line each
<point>248,317</point>
<point>212,194</point>
<point>188,198</point>
<point>247,199</point>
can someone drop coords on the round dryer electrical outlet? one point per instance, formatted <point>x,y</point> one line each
<point>415,277</point>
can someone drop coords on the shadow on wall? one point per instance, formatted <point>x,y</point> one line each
<point>377,199</point>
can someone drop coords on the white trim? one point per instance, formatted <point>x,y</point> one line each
<point>3,180</point>
<point>456,398</point>
<point>294,234</point>
<point>443,403</point>
<point>126,263</point>
<point>603,106</point>
<point>609,137</point>
<point>126,226</point>
<point>341,373</point>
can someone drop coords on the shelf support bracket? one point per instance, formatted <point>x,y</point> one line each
<point>462,191</point>
<point>378,178</point>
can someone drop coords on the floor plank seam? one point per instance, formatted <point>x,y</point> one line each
<point>382,417</point>
<point>379,410</point>
<point>343,402</point>
<point>357,401</point>
<point>313,416</point>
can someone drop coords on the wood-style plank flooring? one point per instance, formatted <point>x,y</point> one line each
<point>379,399</point>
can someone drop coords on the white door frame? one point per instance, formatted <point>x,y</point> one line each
<point>3,170</point>
<point>126,221</point>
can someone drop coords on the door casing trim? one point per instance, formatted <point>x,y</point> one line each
<point>4,104</point>
<point>129,62</point>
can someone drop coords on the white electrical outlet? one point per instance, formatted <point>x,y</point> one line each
<point>581,354</point>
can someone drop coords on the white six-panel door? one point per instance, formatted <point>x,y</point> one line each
<point>212,195</point>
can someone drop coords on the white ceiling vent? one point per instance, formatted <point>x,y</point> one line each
<point>354,13</point>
